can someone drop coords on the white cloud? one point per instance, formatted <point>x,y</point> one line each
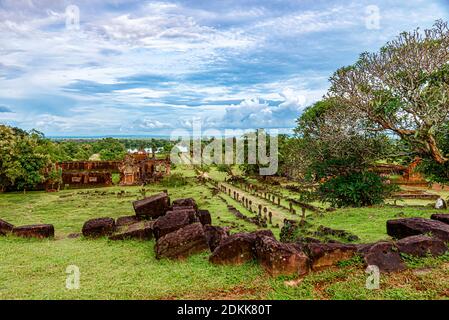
<point>300,44</point>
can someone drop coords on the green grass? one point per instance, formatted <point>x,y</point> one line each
<point>36,269</point>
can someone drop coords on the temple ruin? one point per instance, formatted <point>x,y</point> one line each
<point>136,169</point>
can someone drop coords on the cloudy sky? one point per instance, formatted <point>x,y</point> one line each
<point>149,67</point>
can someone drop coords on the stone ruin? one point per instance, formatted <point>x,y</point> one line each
<point>181,229</point>
<point>408,174</point>
<point>39,231</point>
<point>135,169</point>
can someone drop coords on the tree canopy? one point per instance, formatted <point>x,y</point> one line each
<point>403,89</point>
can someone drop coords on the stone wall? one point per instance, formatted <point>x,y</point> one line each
<point>86,179</point>
<point>112,166</point>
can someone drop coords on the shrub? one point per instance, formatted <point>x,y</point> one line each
<point>355,190</point>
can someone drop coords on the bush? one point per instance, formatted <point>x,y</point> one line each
<point>355,190</point>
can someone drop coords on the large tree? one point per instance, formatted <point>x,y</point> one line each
<point>332,141</point>
<point>337,152</point>
<point>403,89</point>
<point>23,158</point>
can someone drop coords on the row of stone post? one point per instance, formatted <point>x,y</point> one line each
<point>267,215</point>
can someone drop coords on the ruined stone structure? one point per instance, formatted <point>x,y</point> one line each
<point>408,174</point>
<point>80,174</point>
<point>137,168</point>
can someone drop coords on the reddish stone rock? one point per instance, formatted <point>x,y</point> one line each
<point>187,202</point>
<point>363,249</point>
<point>5,227</point>
<point>421,246</point>
<point>98,227</point>
<point>402,228</point>
<point>141,230</point>
<point>35,231</point>
<point>263,232</point>
<point>152,207</point>
<point>182,243</point>
<point>329,254</point>
<point>385,256</point>
<point>238,248</point>
<point>192,214</point>
<point>440,217</point>
<point>173,221</point>
<point>280,258</point>
<point>215,235</point>
<point>204,217</point>
<point>179,208</point>
<point>74,235</point>
<point>126,221</point>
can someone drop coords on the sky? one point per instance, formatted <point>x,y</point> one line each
<point>116,67</point>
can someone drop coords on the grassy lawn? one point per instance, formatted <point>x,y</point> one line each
<point>36,269</point>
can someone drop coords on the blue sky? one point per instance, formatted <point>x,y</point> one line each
<point>149,67</point>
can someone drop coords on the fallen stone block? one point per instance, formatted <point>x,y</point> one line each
<point>421,245</point>
<point>152,207</point>
<point>362,249</point>
<point>238,248</point>
<point>187,202</point>
<point>402,228</point>
<point>35,231</point>
<point>385,256</point>
<point>204,217</point>
<point>329,254</point>
<point>98,227</point>
<point>440,217</point>
<point>74,235</point>
<point>182,243</point>
<point>173,221</point>
<point>181,208</point>
<point>5,227</point>
<point>126,221</point>
<point>141,231</point>
<point>215,235</point>
<point>280,258</point>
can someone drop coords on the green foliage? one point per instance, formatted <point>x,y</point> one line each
<point>331,141</point>
<point>425,262</point>
<point>434,171</point>
<point>355,261</point>
<point>356,189</point>
<point>23,158</point>
<point>404,90</point>
<point>109,149</point>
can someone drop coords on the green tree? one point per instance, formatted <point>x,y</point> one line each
<point>336,151</point>
<point>109,149</point>
<point>23,158</point>
<point>403,90</point>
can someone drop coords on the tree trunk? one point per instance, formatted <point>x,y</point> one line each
<point>434,151</point>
